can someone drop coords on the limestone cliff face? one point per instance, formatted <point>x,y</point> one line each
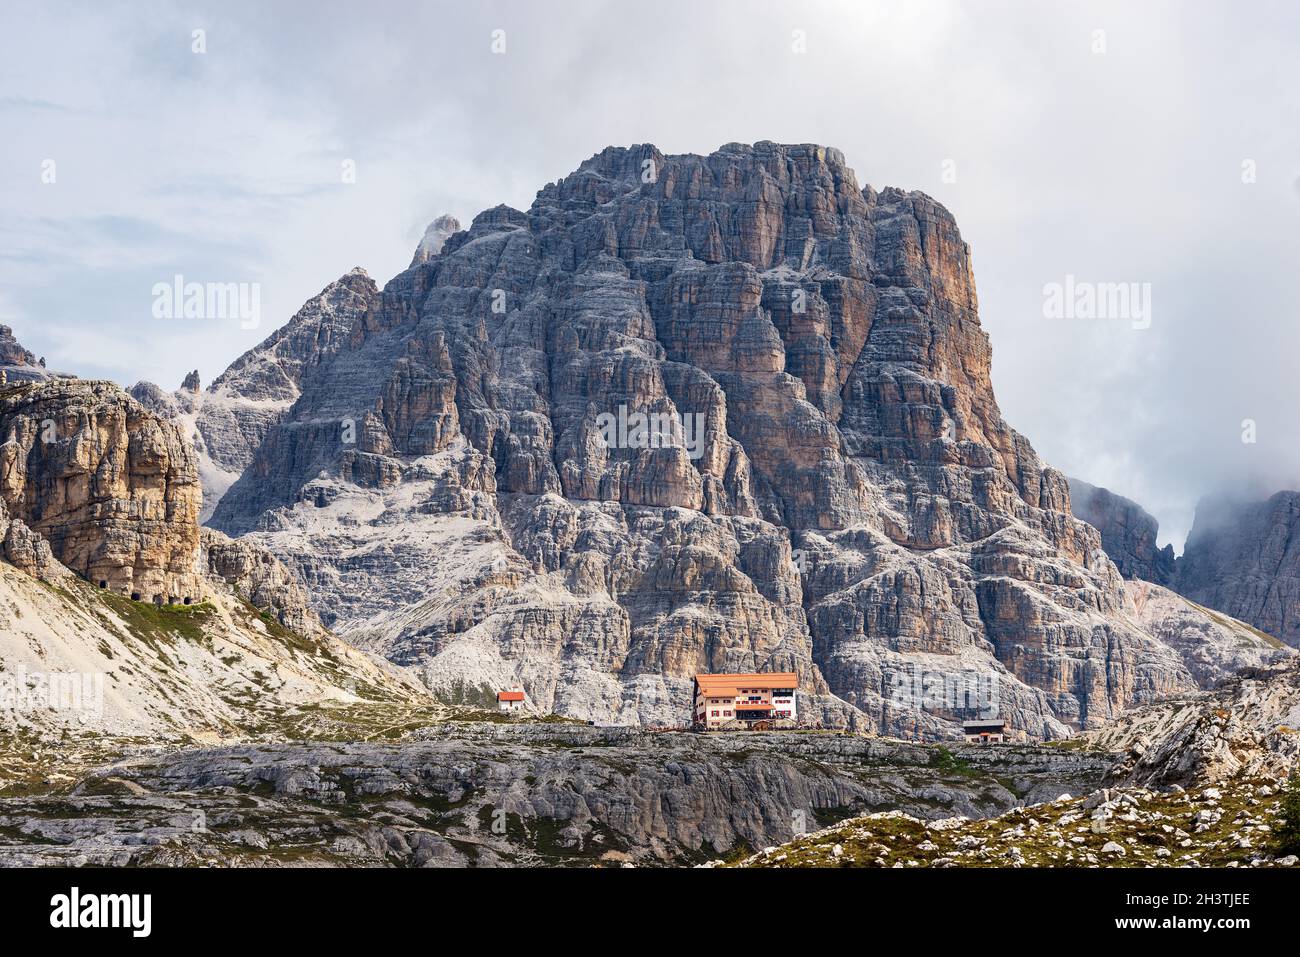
<point>101,496</point>
<point>1128,532</point>
<point>113,488</point>
<point>1243,558</point>
<point>26,550</point>
<point>1213,647</point>
<point>12,352</point>
<point>690,413</point>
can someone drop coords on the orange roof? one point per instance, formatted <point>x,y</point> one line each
<point>729,685</point>
<point>510,696</point>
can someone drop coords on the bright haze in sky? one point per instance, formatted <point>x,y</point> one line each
<point>1154,144</point>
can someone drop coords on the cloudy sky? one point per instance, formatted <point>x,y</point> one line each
<point>1152,143</point>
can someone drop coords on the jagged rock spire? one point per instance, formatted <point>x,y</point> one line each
<point>435,235</point>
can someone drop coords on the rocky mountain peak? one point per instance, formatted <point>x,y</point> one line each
<point>435,236</point>
<point>1239,558</point>
<point>12,351</point>
<point>17,363</point>
<point>725,412</point>
<point>257,388</point>
<point>274,368</point>
<point>228,421</point>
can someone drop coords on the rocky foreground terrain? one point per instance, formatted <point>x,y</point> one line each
<point>1197,782</point>
<point>1227,826</point>
<point>1193,782</point>
<point>475,793</point>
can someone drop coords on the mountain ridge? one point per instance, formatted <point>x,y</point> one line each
<point>1239,557</point>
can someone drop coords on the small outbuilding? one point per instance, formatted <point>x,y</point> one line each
<point>985,731</point>
<point>512,699</point>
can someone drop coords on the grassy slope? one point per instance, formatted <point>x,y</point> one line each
<point>1154,830</point>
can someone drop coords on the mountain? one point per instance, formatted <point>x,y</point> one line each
<point>1243,558</point>
<point>228,421</point>
<point>689,413</point>
<point>112,488</point>
<point>1128,532</point>
<point>1239,558</point>
<point>250,396</point>
<point>118,614</point>
<point>686,413</point>
<point>16,363</point>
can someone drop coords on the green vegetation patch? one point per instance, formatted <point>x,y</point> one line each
<point>160,622</point>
